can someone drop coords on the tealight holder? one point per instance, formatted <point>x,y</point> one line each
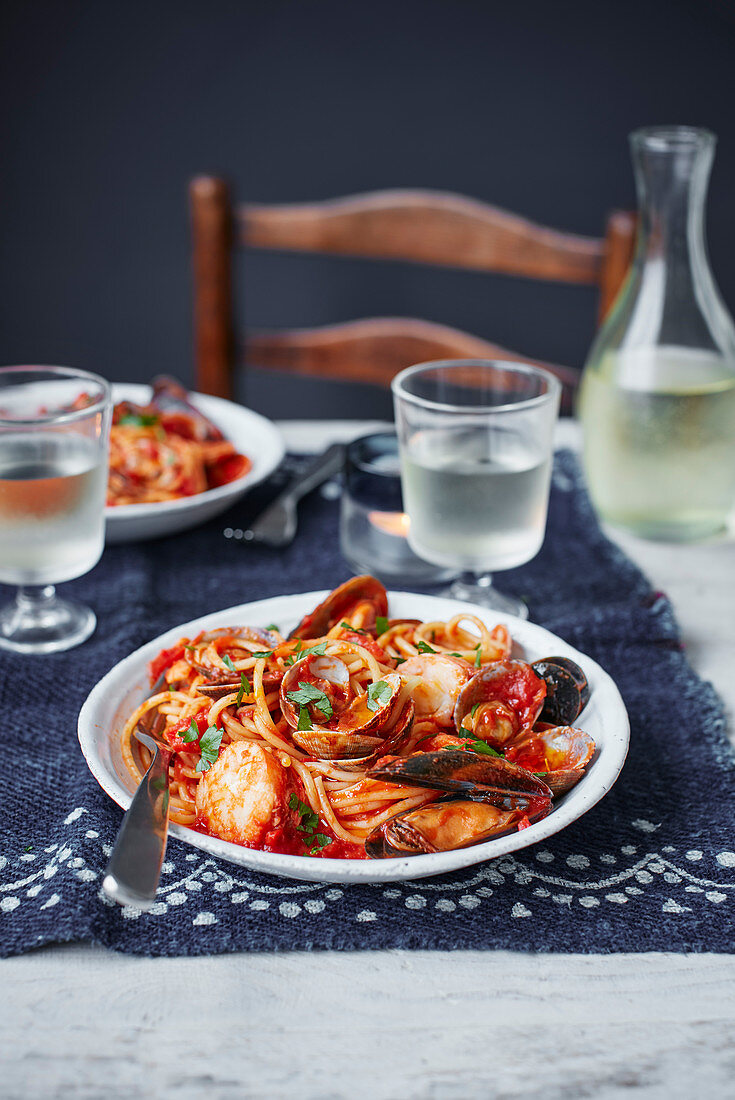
<point>373,525</point>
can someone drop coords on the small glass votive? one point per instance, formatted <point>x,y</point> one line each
<point>373,525</point>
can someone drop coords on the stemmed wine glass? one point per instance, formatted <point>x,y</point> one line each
<point>54,429</point>
<point>476,443</point>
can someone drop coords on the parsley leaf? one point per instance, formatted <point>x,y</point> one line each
<point>297,654</point>
<point>308,694</point>
<point>353,629</point>
<point>227,662</point>
<point>304,722</point>
<point>189,647</point>
<point>478,655</point>
<point>424,647</point>
<point>138,420</point>
<point>192,734</point>
<point>316,651</point>
<point>244,688</point>
<point>264,653</point>
<point>314,842</point>
<point>400,660</point>
<point>474,710</point>
<point>378,694</point>
<point>381,625</point>
<point>483,748</point>
<point>28,848</point>
<point>209,744</point>
<point>272,626</point>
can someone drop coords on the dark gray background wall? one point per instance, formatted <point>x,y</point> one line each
<point>108,108</point>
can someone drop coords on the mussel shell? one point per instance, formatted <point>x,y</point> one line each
<point>340,603</point>
<point>171,397</point>
<point>444,825</point>
<point>496,780</point>
<point>567,690</point>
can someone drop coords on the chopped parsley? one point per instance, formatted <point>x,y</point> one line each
<point>192,734</point>
<point>309,694</point>
<point>378,694</point>
<point>227,662</point>
<point>209,744</point>
<point>28,848</point>
<point>304,722</point>
<point>424,647</point>
<point>478,654</point>
<point>189,647</point>
<point>381,625</point>
<point>138,420</point>
<point>474,710</point>
<point>353,629</point>
<point>244,688</point>
<point>297,653</point>
<point>272,626</point>
<point>314,841</point>
<point>316,651</point>
<point>400,660</point>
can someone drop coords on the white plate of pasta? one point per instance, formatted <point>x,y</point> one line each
<point>162,478</point>
<point>388,737</point>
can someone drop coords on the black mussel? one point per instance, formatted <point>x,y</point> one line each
<point>567,690</point>
<point>441,826</point>
<point>456,771</point>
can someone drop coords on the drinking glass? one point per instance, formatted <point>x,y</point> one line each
<point>373,523</point>
<point>54,429</point>
<point>476,443</point>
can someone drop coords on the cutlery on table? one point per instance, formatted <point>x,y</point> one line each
<point>132,875</point>
<point>276,526</point>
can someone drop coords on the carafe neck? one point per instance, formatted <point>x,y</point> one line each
<point>672,168</point>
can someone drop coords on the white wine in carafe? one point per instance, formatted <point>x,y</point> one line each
<point>660,449</point>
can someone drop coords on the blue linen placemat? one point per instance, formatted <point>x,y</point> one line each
<point>651,867</point>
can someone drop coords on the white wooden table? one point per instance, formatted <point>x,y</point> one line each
<point>83,1022</point>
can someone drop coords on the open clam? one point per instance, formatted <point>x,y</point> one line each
<point>342,603</point>
<point>500,701</point>
<point>559,753</point>
<point>483,797</point>
<point>324,720</point>
<point>221,682</point>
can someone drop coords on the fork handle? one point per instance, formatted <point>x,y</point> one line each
<point>134,869</point>
<point>326,465</point>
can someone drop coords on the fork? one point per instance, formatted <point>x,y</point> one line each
<point>132,875</point>
<point>276,526</point>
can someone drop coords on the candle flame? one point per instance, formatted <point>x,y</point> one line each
<point>392,523</point>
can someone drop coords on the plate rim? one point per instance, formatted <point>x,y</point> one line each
<point>356,872</point>
<point>118,513</point>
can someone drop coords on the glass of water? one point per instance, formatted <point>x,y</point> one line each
<point>476,443</point>
<point>54,429</point>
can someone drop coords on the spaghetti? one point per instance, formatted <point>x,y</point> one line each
<point>278,743</point>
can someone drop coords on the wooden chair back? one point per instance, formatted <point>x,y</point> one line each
<point>421,226</point>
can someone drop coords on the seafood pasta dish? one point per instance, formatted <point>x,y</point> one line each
<point>166,449</point>
<point>361,736</point>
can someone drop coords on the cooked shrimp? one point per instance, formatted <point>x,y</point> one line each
<point>244,794</point>
<point>434,683</point>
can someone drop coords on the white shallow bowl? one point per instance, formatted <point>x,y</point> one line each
<point>250,433</point>
<point>115,697</point>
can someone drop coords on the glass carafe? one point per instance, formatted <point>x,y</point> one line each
<point>657,400</point>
